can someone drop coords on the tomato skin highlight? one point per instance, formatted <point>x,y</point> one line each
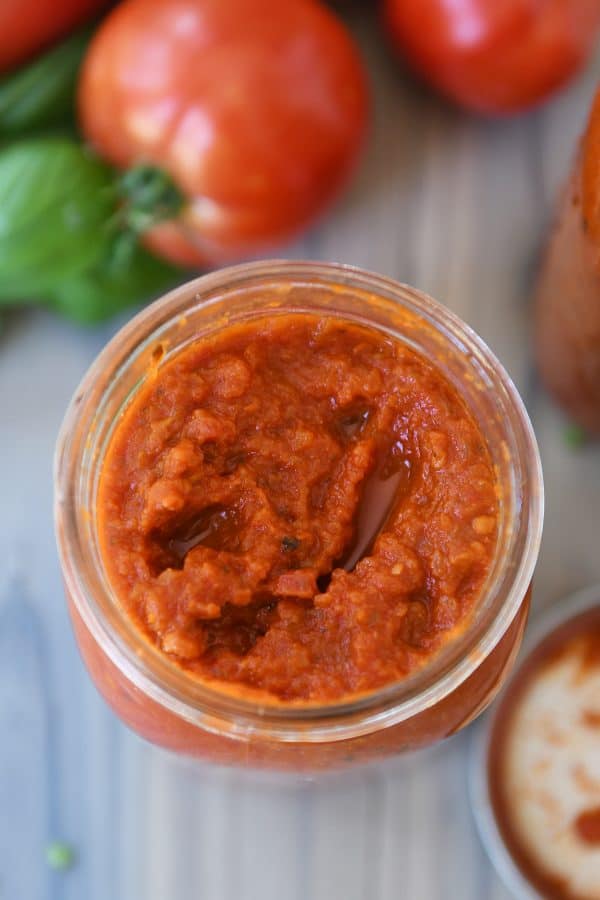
<point>256,108</point>
<point>494,56</point>
<point>28,26</point>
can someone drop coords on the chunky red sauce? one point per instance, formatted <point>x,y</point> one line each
<point>298,505</point>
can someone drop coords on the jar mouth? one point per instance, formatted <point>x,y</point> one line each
<point>212,302</point>
<point>553,619</point>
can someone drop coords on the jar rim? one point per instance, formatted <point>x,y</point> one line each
<point>147,668</point>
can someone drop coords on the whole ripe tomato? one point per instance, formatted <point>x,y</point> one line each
<point>255,108</point>
<point>494,56</point>
<point>27,26</point>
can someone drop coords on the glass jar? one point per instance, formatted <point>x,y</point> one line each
<point>168,707</point>
<point>567,313</point>
<point>494,800</point>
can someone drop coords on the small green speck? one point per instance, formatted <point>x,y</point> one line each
<point>59,856</point>
<point>575,436</point>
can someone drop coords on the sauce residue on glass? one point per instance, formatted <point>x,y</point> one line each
<point>587,825</point>
<point>544,762</point>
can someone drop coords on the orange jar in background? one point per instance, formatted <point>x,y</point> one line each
<point>203,718</point>
<point>567,314</point>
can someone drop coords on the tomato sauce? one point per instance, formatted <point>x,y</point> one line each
<point>587,825</point>
<point>298,507</point>
<point>567,333</point>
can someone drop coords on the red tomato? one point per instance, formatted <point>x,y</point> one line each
<point>256,108</point>
<point>495,56</point>
<point>27,26</point>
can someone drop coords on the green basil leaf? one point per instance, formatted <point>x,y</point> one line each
<point>42,95</point>
<point>117,282</point>
<point>57,211</point>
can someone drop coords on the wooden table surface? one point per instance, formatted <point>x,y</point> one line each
<point>456,206</point>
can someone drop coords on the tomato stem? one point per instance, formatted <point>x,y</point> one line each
<point>149,196</point>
